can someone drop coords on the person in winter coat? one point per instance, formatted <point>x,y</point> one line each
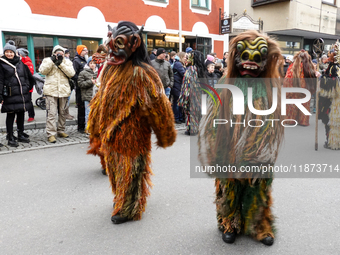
<point>164,70</point>
<point>23,53</point>
<point>15,83</point>
<point>210,73</point>
<point>86,81</point>
<point>57,71</point>
<point>178,70</point>
<point>79,62</point>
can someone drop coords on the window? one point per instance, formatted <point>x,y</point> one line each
<point>158,3</point>
<point>91,45</point>
<point>20,41</point>
<point>70,44</point>
<point>43,47</point>
<point>200,4</point>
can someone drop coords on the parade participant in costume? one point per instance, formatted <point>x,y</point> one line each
<point>194,72</point>
<point>129,104</point>
<point>300,74</point>
<point>243,201</point>
<point>329,101</point>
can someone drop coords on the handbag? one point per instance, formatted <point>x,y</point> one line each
<point>70,81</point>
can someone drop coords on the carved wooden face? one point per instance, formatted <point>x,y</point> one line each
<point>122,42</point>
<point>251,57</point>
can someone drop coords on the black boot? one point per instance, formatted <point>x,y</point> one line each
<point>268,240</point>
<point>23,133</point>
<point>14,137</point>
<point>229,237</point>
<point>22,138</point>
<point>1,145</point>
<point>116,219</point>
<point>11,141</point>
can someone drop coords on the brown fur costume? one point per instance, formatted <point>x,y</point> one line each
<point>129,104</point>
<point>243,201</point>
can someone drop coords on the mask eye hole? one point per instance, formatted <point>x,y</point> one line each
<point>257,58</point>
<point>245,56</point>
<point>120,43</point>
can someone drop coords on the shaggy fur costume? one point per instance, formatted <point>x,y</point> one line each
<point>243,202</point>
<point>129,104</point>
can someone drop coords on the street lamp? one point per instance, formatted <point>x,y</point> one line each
<point>180,24</point>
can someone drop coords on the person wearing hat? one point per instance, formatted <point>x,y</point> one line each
<point>57,71</point>
<point>188,50</point>
<point>79,63</point>
<point>86,81</point>
<point>67,54</point>
<point>15,83</point>
<point>164,70</point>
<point>23,53</point>
<point>153,54</point>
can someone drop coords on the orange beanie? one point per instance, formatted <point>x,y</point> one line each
<point>80,48</point>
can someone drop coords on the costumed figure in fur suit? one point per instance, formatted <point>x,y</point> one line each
<point>300,74</point>
<point>243,200</point>
<point>130,103</point>
<point>194,72</point>
<point>329,101</point>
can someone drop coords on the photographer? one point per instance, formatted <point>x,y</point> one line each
<point>15,83</point>
<point>57,70</point>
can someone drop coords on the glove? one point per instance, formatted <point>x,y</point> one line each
<point>59,60</point>
<point>54,58</point>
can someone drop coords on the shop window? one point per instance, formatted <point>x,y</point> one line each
<point>43,47</point>
<point>91,46</point>
<point>70,44</point>
<point>200,4</point>
<point>20,41</point>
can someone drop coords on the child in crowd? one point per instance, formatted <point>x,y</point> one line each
<point>86,81</point>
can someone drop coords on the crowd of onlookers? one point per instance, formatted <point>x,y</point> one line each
<point>61,75</point>
<point>171,67</point>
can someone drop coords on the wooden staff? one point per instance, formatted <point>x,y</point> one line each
<point>317,107</point>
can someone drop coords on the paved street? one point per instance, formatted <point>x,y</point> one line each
<point>56,201</point>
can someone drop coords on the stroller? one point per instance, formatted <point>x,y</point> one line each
<point>41,101</point>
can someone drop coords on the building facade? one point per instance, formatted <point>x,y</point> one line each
<point>295,23</point>
<point>40,25</point>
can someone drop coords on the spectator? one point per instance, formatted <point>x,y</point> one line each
<point>324,64</point>
<point>86,81</point>
<point>68,115</point>
<point>23,53</point>
<point>16,81</point>
<point>67,54</point>
<point>164,70</point>
<point>218,70</point>
<point>172,58</point>
<point>57,70</point>
<point>210,73</point>
<point>188,50</point>
<point>179,70</point>
<point>214,55</point>
<point>153,54</point>
<point>209,58</point>
<point>225,59</point>
<point>79,62</point>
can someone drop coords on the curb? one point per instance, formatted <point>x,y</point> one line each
<point>39,125</point>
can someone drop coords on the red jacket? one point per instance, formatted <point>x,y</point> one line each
<point>27,61</point>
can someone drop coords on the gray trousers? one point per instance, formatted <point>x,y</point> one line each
<point>55,106</point>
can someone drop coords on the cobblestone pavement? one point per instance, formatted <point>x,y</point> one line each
<point>38,139</point>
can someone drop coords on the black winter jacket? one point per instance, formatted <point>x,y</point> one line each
<point>78,66</point>
<point>179,71</point>
<point>18,99</point>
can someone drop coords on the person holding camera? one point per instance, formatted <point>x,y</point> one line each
<point>16,81</point>
<point>58,70</point>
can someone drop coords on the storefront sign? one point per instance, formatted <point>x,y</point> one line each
<point>226,26</point>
